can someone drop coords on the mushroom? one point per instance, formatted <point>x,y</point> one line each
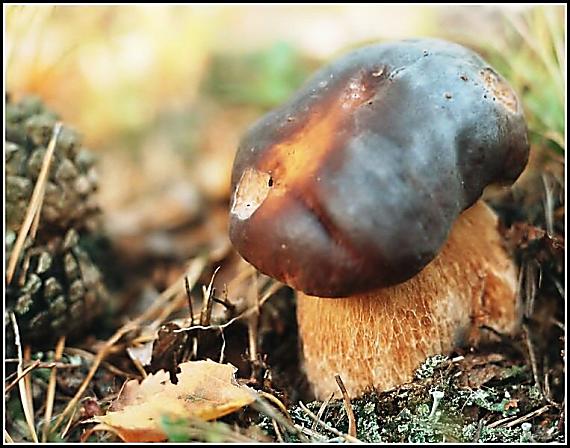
<point>362,192</point>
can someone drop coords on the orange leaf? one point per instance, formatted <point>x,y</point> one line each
<point>205,390</point>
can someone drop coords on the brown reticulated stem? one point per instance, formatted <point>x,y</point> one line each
<point>380,338</point>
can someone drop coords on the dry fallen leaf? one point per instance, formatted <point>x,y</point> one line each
<point>205,390</point>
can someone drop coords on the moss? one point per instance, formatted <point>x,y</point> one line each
<point>503,435</point>
<point>429,366</point>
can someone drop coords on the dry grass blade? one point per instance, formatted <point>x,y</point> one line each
<point>51,388</point>
<point>34,365</point>
<point>328,427</point>
<point>189,297</point>
<point>532,356</point>
<point>528,416</point>
<point>283,419</point>
<point>347,406</point>
<point>252,324</point>
<point>530,38</point>
<point>7,437</point>
<point>277,431</point>
<point>548,204</point>
<point>315,436</point>
<point>322,410</point>
<point>283,409</point>
<point>69,424</point>
<point>276,286</point>
<point>138,365</point>
<point>193,272</point>
<point>206,312</point>
<point>34,207</point>
<point>24,398</point>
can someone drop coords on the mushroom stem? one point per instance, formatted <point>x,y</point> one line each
<point>380,338</point>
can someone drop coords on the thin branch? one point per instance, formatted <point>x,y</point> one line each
<point>21,375</point>
<point>252,324</point>
<point>322,410</point>
<point>347,406</point>
<point>528,416</point>
<point>328,427</point>
<point>268,294</point>
<point>261,405</point>
<point>51,389</point>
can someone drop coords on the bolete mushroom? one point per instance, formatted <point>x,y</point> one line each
<point>362,193</point>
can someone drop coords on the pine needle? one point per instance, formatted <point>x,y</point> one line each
<point>51,389</point>
<point>31,219</point>
<point>24,398</point>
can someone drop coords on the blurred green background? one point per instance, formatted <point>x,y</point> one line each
<point>163,93</point>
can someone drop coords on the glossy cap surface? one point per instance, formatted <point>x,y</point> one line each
<point>354,183</point>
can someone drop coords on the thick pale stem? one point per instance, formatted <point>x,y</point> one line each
<point>379,339</point>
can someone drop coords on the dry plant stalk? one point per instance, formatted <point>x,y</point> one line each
<point>347,406</point>
<point>51,388</point>
<point>24,398</point>
<point>36,364</point>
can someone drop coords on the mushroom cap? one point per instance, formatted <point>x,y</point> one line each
<point>355,182</point>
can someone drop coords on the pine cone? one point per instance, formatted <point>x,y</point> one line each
<point>69,200</point>
<point>57,289</point>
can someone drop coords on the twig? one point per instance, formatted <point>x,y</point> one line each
<point>24,399</point>
<point>28,379</point>
<point>347,406</point>
<point>34,206</point>
<point>51,389</point>
<point>226,304</point>
<point>501,421</point>
<point>266,296</point>
<point>548,205</point>
<point>46,365</point>
<point>275,401</point>
<point>277,431</point>
<point>547,393</point>
<point>532,356</point>
<point>21,375</point>
<point>193,271</point>
<point>223,348</point>
<point>328,427</point>
<point>206,313</point>
<point>311,433</point>
<point>68,425</point>
<point>322,410</point>
<point>261,405</point>
<point>189,296</point>
<point>138,366</point>
<point>252,323</point>
<point>528,416</point>
<point>7,437</point>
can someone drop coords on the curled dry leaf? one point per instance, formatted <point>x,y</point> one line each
<point>205,390</point>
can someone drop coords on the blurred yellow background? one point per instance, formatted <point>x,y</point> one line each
<point>163,93</point>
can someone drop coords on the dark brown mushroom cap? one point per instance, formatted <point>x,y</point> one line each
<point>355,182</point>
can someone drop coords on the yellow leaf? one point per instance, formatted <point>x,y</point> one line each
<point>205,390</point>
